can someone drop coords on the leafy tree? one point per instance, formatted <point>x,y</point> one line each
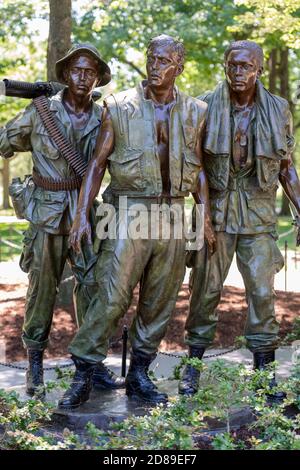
<point>121,30</point>
<point>22,57</point>
<point>59,40</point>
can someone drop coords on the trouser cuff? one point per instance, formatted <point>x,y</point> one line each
<point>196,343</point>
<point>32,344</point>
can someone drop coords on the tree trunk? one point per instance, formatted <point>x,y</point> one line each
<point>273,72</point>
<point>5,182</point>
<point>285,93</point>
<point>59,40</point>
<point>284,74</point>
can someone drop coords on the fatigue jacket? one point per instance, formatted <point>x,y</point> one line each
<point>244,201</point>
<point>53,211</point>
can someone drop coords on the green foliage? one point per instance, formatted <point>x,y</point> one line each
<point>22,54</point>
<point>12,233</point>
<point>273,23</point>
<point>223,442</point>
<point>224,387</point>
<point>294,334</point>
<point>122,30</point>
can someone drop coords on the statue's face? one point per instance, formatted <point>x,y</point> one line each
<point>242,69</point>
<point>82,75</point>
<point>162,66</point>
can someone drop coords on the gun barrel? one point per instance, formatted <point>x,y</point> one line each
<point>29,90</point>
<point>26,89</point>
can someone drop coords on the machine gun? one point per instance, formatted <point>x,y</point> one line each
<point>33,90</point>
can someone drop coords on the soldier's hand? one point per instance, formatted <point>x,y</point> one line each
<point>210,237</point>
<point>81,228</point>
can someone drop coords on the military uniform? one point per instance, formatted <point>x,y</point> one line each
<point>51,215</point>
<point>242,197</point>
<point>158,264</point>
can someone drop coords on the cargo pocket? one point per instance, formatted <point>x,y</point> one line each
<point>27,253</point>
<point>49,207</point>
<point>190,171</point>
<point>278,259</point>
<point>136,130</point>
<point>126,170</point>
<point>217,171</point>
<point>45,146</point>
<point>261,208</point>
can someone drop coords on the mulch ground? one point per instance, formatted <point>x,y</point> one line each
<point>232,317</point>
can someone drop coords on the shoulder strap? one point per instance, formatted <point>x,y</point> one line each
<point>78,165</point>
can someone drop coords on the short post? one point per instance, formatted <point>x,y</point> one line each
<point>285,264</point>
<point>10,239</point>
<point>124,350</point>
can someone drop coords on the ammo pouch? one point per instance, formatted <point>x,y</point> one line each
<point>20,193</point>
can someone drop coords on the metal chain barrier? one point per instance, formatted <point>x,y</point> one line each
<point>208,356</point>
<point>70,364</point>
<point>57,366</point>
<point>285,234</point>
<point>14,366</point>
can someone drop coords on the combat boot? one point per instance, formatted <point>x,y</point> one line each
<point>189,382</point>
<point>80,388</point>
<point>137,382</point>
<point>105,379</point>
<point>260,361</point>
<point>35,373</point>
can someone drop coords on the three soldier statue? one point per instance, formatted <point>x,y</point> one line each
<point>229,148</point>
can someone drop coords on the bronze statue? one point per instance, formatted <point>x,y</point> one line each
<point>48,199</point>
<point>247,152</point>
<point>150,140</point>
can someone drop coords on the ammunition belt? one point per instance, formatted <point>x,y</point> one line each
<point>73,157</point>
<point>51,184</point>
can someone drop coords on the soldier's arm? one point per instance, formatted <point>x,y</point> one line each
<point>290,182</point>
<point>15,136</point>
<point>92,182</point>
<point>201,196</point>
<point>288,176</point>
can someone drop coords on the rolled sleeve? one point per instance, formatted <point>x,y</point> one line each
<point>16,135</point>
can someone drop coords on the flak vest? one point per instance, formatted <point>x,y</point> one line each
<point>134,165</point>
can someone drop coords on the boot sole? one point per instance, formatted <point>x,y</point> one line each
<point>107,387</point>
<point>70,407</point>
<point>136,397</point>
<point>186,394</point>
